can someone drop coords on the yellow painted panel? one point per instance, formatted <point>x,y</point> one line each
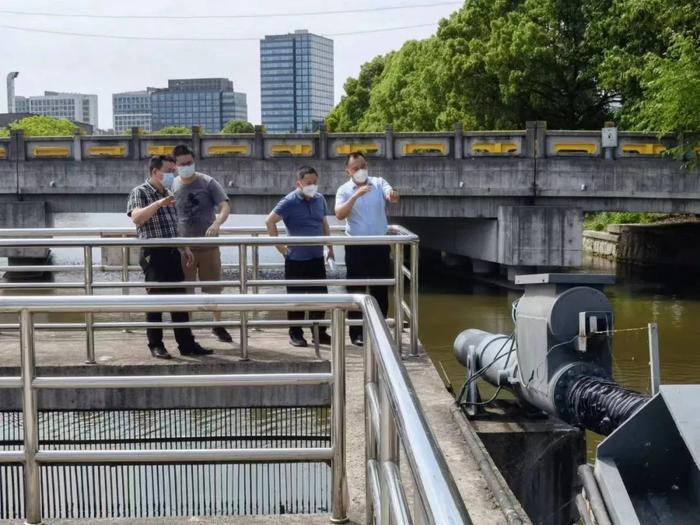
<point>3,153</point>
<point>576,148</point>
<point>51,151</point>
<point>107,151</point>
<point>644,149</point>
<point>241,149</point>
<point>345,149</point>
<point>417,149</point>
<point>291,149</point>
<point>494,147</point>
<point>160,150</point>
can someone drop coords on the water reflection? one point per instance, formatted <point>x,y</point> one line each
<point>450,304</point>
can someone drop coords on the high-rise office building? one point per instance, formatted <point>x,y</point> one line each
<point>70,106</point>
<point>234,106</point>
<point>132,109</point>
<point>296,81</point>
<point>206,102</point>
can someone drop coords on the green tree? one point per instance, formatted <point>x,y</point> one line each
<point>43,126</point>
<point>492,64</point>
<point>651,62</point>
<point>354,104</point>
<point>671,93</point>
<point>4,132</point>
<point>238,126</point>
<point>173,130</point>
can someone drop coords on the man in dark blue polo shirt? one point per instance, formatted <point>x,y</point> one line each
<point>304,212</point>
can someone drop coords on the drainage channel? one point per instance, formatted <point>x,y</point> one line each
<point>173,490</point>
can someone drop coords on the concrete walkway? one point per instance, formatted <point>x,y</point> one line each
<point>269,348</point>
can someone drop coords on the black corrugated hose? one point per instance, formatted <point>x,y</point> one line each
<point>602,405</point>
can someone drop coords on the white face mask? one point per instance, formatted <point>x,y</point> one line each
<point>310,190</point>
<point>168,179</point>
<point>185,171</point>
<point>360,176</point>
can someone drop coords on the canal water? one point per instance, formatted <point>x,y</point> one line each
<point>450,303</point>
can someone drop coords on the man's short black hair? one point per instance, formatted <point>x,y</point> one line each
<point>306,170</point>
<point>157,162</point>
<point>181,150</point>
<point>354,155</point>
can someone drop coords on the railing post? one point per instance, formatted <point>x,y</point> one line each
<point>256,264</point>
<point>126,255</point>
<point>388,447</point>
<point>398,293</point>
<point>415,254</point>
<point>77,145</point>
<point>32,471</point>
<point>339,510</point>
<point>89,332</point>
<point>370,437</point>
<point>243,277</point>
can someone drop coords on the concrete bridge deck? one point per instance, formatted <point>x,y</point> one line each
<point>123,353</point>
<point>514,198</point>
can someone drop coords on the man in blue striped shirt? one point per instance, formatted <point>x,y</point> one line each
<point>362,201</point>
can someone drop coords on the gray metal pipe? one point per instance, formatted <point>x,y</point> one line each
<point>494,354</point>
<point>593,495</point>
<point>397,497</point>
<point>183,381</point>
<point>224,455</point>
<point>32,471</point>
<point>339,510</point>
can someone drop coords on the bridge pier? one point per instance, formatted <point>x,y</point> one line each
<point>23,214</point>
<point>520,239</point>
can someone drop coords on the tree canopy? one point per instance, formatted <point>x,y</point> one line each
<point>41,126</point>
<point>173,130</point>
<point>238,126</point>
<point>494,64</point>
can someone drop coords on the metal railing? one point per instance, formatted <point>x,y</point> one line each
<point>244,239</point>
<point>392,415</point>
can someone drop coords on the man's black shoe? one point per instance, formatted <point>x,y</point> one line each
<point>160,352</point>
<point>323,338</point>
<point>222,334</point>
<point>357,341</point>
<point>298,341</point>
<point>196,349</point>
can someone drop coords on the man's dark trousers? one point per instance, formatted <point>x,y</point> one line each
<point>368,262</point>
<point>310,269</point>
<point>165,265</point>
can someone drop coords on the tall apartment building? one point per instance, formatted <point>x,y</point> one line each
<point>206,102</point>
<point>70,106</point>
<point>296,81</point>
<point>132,109</point>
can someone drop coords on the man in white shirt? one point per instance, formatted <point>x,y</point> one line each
<point>362,201</point>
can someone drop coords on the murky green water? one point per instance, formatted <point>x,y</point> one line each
<point>449,305</point>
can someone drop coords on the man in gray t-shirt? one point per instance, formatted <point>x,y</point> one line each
<point>202,207</point>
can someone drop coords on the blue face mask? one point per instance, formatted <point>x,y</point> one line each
<point>168,179</point>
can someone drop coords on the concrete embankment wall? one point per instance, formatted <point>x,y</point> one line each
<point>673,245</point>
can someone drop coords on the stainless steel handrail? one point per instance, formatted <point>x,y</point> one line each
<point>254,238</point>
<point>401,420</point>
<point>400,417</point>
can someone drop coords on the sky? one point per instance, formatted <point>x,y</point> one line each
<point>102,66</point>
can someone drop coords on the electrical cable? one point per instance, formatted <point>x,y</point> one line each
<point>221,16</point>
<point>473,377</point>
<point>484,403</point>
<point>199,39</point>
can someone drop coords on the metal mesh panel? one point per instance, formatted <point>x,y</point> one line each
<point>135,491</point>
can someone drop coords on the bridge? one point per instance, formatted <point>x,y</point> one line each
<point>514,198</point>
